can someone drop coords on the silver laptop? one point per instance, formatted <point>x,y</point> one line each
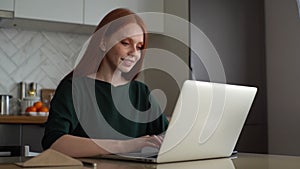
<point>206,123</point>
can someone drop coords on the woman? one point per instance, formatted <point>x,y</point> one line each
<point>100,108</point>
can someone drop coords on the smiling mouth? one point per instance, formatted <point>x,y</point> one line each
<point>127,62</point>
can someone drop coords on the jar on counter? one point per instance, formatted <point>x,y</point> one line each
<point>15,106</point>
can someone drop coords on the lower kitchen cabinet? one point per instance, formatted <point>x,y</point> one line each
<point>21,135</point>
<point>10,135</point>
<point>32,135</point>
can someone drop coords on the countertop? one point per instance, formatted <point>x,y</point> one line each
<point>22,119</point>
<point>242,161</point>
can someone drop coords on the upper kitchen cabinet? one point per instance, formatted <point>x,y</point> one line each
<point>95,10</point>
<point>6,8</point>
<point>7,5</point>
<point>69,11</point>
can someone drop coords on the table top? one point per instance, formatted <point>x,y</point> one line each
<point>241,161</point>
<point>22,119</point>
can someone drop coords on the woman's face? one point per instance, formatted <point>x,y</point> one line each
<point>124,48</point>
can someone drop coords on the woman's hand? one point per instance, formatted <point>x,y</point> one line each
<point>136,144</point>
<point>73,145</point>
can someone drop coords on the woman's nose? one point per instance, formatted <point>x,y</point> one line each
<point>133,50</point>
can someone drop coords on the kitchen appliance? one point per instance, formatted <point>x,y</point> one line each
<point>32,91</point>
<point>28,95</point>
<point>22,87</point>
<point>28,89</point>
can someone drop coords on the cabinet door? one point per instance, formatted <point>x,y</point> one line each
<point>32,136</point>
<point>95,10</point>
<point>70,11</point>
<point>7,5</point>
<point>10,135</point>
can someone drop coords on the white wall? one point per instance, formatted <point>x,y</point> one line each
<point>283,76</point>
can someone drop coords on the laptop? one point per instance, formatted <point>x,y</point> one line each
<point>206,123</point>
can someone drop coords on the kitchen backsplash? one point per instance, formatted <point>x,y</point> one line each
<point>36,56</point>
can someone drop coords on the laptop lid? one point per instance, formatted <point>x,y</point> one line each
<point>206,122</point>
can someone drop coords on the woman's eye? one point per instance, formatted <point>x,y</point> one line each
<point>124,43</point>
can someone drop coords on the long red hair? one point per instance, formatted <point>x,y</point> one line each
<point>111,23</point>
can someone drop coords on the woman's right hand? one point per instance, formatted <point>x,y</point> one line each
<point>136,144</point>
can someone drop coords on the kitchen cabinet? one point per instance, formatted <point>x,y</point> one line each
<point>86,12</point>
<point>32,136</point>
<point>22,130</point>
<point>7,5</point>
<point>238,35</point>
<point>95,10</point>
<point>10,135</point>
<point>69,11</point>
<point>21,135</point>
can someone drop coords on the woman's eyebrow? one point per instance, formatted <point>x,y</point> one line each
<point>131,40</point>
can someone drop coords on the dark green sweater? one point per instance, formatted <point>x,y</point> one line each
<point>91,108</point>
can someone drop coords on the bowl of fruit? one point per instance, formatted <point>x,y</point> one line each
<point>37,109</point>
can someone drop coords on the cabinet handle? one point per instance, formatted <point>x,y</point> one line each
<point>5,154</point>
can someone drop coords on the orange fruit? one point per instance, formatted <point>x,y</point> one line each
<point>31,109</point>
<point>38,104</point>
<point>43,109</point>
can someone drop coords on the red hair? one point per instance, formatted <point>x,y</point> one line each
<point>111,23</point>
